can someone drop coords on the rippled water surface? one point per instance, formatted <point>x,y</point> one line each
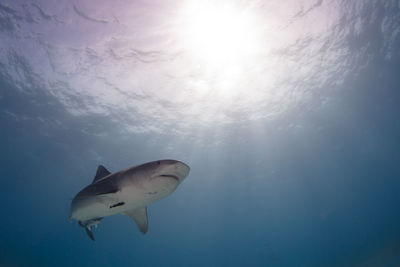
<point>286,111</point>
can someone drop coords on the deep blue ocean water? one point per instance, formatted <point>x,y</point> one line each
<point>293,143</point>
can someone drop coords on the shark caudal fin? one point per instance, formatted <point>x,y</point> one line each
<point>140,217</point>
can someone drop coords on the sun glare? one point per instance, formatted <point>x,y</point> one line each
<point>219,34</point>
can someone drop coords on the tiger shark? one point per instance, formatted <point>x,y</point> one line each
<point>127,192</point>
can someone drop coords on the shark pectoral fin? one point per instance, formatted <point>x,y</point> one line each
<point>89,232</point>
<point>140,217</point>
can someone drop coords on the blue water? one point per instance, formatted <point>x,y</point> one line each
<point>293,147</point>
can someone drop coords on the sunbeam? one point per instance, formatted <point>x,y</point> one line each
<point>222,40</point>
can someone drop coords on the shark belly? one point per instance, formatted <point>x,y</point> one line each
<point>95,207</point>
<point>139,197</point>
<point>128,199</point>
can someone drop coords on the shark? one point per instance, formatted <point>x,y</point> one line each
<point>127,192</point>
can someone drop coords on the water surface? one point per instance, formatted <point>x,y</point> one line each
<point>287,113</point>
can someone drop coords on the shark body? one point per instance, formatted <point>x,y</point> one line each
<point>128,192</point>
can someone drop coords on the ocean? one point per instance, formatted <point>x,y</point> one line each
<point>287,113</point>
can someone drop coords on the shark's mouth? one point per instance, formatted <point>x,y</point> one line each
<point>170,176</point>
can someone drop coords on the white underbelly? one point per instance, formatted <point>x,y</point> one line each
<point>141,197</point>
<point>129,198</point>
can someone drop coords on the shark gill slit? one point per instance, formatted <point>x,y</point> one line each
<point>117,204</point>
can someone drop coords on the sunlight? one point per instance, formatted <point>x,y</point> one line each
<point>221,38</point>
<point>226,59</point>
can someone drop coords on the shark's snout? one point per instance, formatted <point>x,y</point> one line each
<point>173,169</point>
<point>182,169</point>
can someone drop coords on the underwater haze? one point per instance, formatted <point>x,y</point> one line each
<point>287,112</point>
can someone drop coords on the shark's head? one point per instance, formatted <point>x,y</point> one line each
<point>161,176</point>
<point>172,169</point>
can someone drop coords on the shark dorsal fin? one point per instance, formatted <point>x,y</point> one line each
<point>140,217</point>
<point>101,172</point>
